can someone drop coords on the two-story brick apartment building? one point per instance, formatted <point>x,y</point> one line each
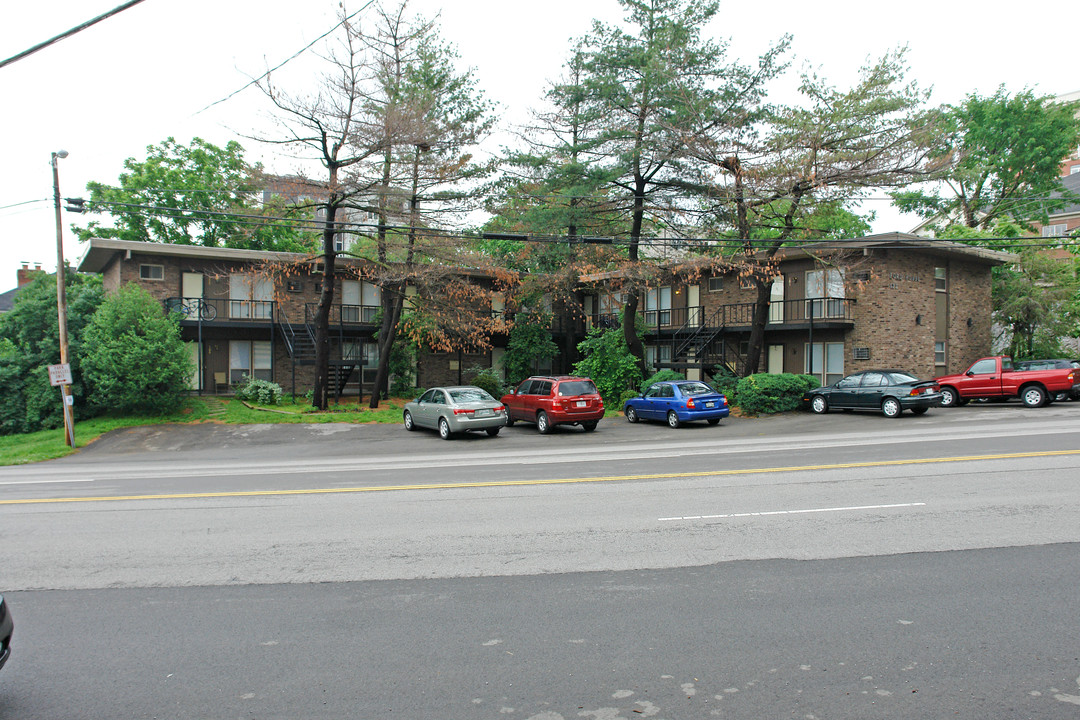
<point>891,301</point>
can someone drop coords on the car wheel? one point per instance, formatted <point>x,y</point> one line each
<point>819,404</point>
<point>714,421</point>
<point>631,414</point>
<point>589,425</point>
<point>509,419</point>
<point>1033,396</point>
<point>542,423</point>
<point>444,429</point>
<point>951,398</point>
<point>919,411</point>
<point>409,425</point>
<point>672,419</point>
<point>890,407</point>
<point>1061,397</point>
<point>492,432</point>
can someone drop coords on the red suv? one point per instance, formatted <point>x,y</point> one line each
<point>555,400</point>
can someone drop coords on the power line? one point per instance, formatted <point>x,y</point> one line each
<point>69,33</point>
<point>25,202</point>
<point>287,60</point>
<point>347,227</point>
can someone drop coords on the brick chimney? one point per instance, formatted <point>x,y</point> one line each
<point>26,275</point>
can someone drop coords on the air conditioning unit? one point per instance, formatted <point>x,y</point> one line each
<point>860,353</point>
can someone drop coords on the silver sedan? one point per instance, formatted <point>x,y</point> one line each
<point>456,409</point>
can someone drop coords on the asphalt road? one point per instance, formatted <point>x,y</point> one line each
<point>843,566</point>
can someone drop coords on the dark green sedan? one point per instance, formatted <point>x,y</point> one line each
<point>889,392</point>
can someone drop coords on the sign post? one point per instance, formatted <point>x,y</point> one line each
<point>61,375</point>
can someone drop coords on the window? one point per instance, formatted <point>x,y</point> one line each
<point>657,354</point>
<point>874,379</point>
<point>984,367</point>
<point>1074,170</point>
<point>151,272</point>
<point>250,296</point>
<point>1058,230</point>
<point>941,279</point>
<point>825,293</point>
<point>939,352</point>
<point>860,353</point>
<point>716,284</point>
<point>825,361</point>
<point>360,301</point>
<point>658,306</point>
<point>250,357</point>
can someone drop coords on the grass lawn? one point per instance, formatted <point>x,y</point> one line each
<point>49,444</point>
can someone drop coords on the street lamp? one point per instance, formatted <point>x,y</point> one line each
<point>61,304</point>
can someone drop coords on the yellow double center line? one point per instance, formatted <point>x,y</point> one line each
<point>551,481</point>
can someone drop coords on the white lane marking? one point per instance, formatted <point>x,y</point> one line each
<point>791,512</point>
<point>42,482</point>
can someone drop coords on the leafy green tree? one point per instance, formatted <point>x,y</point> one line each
<point>609,362</point>
<point>651,83</point>
<point>1037,300</point>
<point>431,117</point>
<point>30,342</point>
<point>133,358</point>
<point>998,157</point>
<point>790,175</point>
<point>529,343</point>
<point>196,194</point>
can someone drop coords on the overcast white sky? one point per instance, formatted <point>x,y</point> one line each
<point>139,77</point>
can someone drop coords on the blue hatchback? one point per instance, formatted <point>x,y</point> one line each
<point>677,402</point>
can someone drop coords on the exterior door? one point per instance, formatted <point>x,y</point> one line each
<point>776,359</point>
<point>191,288</point>
<point>694,309</point>
<point>776,300</point>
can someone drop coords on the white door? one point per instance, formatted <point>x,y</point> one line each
<point>776,359</point>
<point>776,300</point>
<point>191,288</point>
<point>693,302</point>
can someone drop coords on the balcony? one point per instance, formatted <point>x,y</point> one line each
<point>216,310</point>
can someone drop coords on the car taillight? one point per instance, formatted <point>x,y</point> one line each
<point>689,403</point>
<point>463,411</point>
<point>501,408</point>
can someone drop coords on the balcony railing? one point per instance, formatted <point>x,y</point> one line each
<point>341,314</point>
<point>196,309</point>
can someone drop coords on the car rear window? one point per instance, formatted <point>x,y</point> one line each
<point>464,396</point>
<point>695,388</point>
<point>577,387</point>
<point>903,378</point>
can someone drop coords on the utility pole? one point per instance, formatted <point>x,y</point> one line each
<point>61,305</point>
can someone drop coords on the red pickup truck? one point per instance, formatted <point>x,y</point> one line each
<point>994,377</point>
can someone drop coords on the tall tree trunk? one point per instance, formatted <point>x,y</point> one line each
<point>321,388</point>
<point>629,319</point>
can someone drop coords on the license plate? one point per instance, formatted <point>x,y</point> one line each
<point>709,404</point>
<point>483,413</point>
<point>580,403</point>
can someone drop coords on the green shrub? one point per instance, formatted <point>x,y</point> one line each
<point>727,384</point>
<point>627,395</point>
<point>488,380</point>
<point>259,392</point>
<point>609,363</point>
<point>764,393</point>
<point>133,358</point>
<point>664,375</point>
